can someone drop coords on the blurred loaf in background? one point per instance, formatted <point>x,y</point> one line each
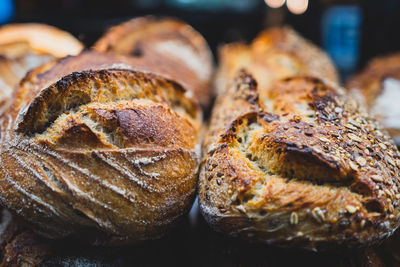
<point>377,87</point>
<point>29,45</point>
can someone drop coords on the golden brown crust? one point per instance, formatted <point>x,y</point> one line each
<point>87,60</point>
<point>301,166</point>
<point>17,40</point>
<point>275,54</point>
<point>19,246</point>
<point>91,150</point>
<point>170,47</point>
<point>27,46</point>
<point>369,85</point>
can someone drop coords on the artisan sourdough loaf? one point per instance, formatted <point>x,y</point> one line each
<point>99,146</point>
<point>298,166</point>
<point>113,150</point>
<point>293,161</point>
<point>26,46</point>
<point>179,51</point>
<point>20,247</point>
<point>276,53</point>
<point>378,88</point>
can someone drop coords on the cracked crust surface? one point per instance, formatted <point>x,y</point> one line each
<point>274,54</point>
<point>113,150</point>
<point>174,48</point>
<point>298,165</point>
<point>369,86</point>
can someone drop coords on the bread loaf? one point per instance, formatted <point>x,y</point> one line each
<point>26,46</point>
<point>179,52</point>
<point>90,146</point>
<point>298,165</point>
<point>378,88</point>
<point>276,53</point>
<point>20,247</point>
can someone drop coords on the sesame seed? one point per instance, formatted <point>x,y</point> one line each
<point>353,122</point>
<point>355,138</point>
<point>241,208</point>
<point>363,223</point>
<point>299,234</point>
<point>323,139</point>
<point>351,209</point>
<point>294,219</point>
<point>390,160</point>
<point>318,215</point>
<point>353,166</point>
<point>382,145</point>
<point>351,127</point>
<point>387,192</point>
<point>361,161</point>
<point>338,110</point>
<point>371,164</point>
<point>377,178</point>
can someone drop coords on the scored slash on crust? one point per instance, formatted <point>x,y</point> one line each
<point>299,168</point>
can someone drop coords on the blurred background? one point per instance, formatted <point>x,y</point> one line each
<point>351,31</point>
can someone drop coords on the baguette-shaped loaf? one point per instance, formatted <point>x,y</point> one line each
<point>276,53</point>
<point>378,88</point>
<point>108,151</point>
<point>178,51</point>
<point>27,46</point>
<point>298,165</point>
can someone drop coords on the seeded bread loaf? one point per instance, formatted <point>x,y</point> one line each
<point>26,46</point>
<point>298,165</point>
<point>378,88</point>
<point>110,152</point>
<point>179,51</point>
<point>20,247</point>
<point>276,53</point>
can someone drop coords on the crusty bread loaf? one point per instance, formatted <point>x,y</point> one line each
<point>110,150</point>
<point>26,46</point>
<point>378,88</point>
<point>298,165</point>
<point>20,247</point>
<point>179,52</point>
<point>19,39</point>
<point>275,54</point>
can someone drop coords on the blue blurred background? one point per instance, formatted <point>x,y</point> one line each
<point>352,31</point>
